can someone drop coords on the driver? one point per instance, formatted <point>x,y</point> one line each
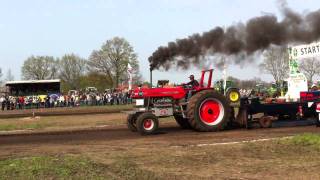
<point>193,82</point>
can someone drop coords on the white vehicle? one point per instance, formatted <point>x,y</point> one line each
<point>91,90</point>
<point>73,92</point>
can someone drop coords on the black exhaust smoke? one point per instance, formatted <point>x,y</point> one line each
<point>150,78</point>
<point>255,35</point>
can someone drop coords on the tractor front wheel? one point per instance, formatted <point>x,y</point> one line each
<point>208,110</point>
<point>147,123</point>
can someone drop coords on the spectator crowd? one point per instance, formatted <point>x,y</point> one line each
<point>72,99</point>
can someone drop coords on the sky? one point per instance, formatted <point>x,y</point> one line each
<point>58,27</point>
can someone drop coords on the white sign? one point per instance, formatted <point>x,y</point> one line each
<point>296,83</point>
<point>139,102</point>
<point>306,51</point>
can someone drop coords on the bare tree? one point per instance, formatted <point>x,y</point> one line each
<point>40,67</point>
<point>112,60</point>
<point>276,63</point>
<point>99,63</point>
<point>9,76</point>
<point>310,67</point>
<point>72,67</point>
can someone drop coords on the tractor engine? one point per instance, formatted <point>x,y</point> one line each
<point>160,101</point>
<point>162,106</point>
<point>172,92</point>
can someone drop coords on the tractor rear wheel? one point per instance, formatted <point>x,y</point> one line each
<point>208,110</point>
<point>147,123</point>
<point>183,122</point>
<point>131,122</point>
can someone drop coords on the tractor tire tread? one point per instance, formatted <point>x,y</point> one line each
<point>131,122</point>
<point>182,122</point>
<point>191,112</point>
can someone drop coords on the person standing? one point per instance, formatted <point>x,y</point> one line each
<point>37,101</point>
<point>8,103</point>
<point>47,102</point>
<point>12,103</point>
<point>21,102</point>
<point>51,102</point>
<point>97,99</point>
<point>62,101</point>
<point>73,99</point>
<point>2,101</point>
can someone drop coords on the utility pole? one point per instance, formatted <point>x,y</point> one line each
<point>224,74</point>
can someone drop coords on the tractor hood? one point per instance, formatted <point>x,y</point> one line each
<point>173,92</point>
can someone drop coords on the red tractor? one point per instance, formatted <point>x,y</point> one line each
<point>200,108</point>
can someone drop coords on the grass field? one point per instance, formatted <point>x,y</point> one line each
<point>61,122</point>
<point>293,158</point>
<point>106,115</point>
<point>51,167</point>
<point>65,111</point>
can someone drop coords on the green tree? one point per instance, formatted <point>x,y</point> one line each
<point>71,69</point>
<point>234,80</point>
<point>112,60</point>
<point>40,68</point>
<point>145,83</point>
<point>95,79</point>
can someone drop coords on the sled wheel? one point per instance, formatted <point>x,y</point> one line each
<point>265,122</point>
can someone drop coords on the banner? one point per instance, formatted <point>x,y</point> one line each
<point>306,51</point>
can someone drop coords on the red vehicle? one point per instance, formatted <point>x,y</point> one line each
<point>200,108</point>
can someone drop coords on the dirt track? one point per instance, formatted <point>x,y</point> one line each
<point>175,153</point>
<point>169,135</point>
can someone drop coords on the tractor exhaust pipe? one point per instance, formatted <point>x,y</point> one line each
<point>151,77</point>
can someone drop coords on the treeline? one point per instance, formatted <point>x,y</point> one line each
<point>249,83</point>
<point>105,68</point>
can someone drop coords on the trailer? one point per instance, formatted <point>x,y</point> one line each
<point>253,110</point>
<point>298,103</point>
